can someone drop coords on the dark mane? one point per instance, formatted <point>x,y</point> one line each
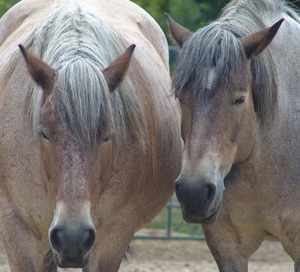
<point>217,45</point>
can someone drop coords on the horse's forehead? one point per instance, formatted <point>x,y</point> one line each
<point>241,77</point>
<point>216,89</point>
<point>235,79</point>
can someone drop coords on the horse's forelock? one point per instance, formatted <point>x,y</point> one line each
<point>82,101</point>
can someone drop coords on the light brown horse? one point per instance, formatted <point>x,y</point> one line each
<point>91,147</point>
<point>238,81</point>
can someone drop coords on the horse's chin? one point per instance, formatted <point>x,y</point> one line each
<point>200,220</point>
<point>69,265</point>
<point>197,219</point>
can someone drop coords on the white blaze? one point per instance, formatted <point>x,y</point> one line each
<point>210,77</point>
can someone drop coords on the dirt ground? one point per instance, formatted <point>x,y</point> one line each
<point>188,256</point>
<point>194,256</point>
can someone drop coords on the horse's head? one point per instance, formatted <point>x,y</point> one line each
<point>213,82</point>
<point>73,173</point>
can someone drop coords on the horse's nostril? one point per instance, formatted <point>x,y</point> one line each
<point>210,192</point>
<point>180,191</point>
<point>89,239</point>
<point>56,239</point>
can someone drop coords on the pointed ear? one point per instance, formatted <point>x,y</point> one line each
<point>179,34</point>
<point>115,72</point>
<point>255,43</point>
<point>41,72</point>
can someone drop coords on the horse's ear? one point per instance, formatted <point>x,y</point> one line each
<point>179,34</point>
<point>41,72</point>
<point>115,72</point>
<point>255,43</point>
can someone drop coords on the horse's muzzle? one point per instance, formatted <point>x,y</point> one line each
<point>197,200</point>
<point>71,248</point>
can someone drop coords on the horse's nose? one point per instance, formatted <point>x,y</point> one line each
<point>72,246</point>
<point>195,196</point>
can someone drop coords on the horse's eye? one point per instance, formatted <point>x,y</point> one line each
<point>42,134</point>
<point>239,101</point>
<point>106,139</point>
<point>180,100</point>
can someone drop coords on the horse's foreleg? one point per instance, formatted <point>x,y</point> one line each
<point>19,242</point>
<point>291,245</point>
<point>297,266</point>
<point>229,247</point>
<point>113,241</point>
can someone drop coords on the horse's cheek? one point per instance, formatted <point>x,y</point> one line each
<point>47,170</point>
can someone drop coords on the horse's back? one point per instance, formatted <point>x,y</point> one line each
<point>134,23</point>
<point>141,25</point>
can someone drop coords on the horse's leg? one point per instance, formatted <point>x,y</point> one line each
<point>296,257</point>
<point>111,254</point>
<point>18,240</point>
<point>114,240</point>
<point>230,247</point>
<point>291,244</point>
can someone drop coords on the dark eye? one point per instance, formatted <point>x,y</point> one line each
<point>106,139</point>
<point>239,101</point>
<point>180,100</point>
<point>43,135</point>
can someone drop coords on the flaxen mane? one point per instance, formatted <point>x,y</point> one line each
<point>79,44</point>
<point>216,45</point>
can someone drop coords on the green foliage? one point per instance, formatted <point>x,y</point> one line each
<point>5,5</point>
<point>192,14</point>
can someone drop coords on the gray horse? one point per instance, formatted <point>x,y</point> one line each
<point>238,81</point>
